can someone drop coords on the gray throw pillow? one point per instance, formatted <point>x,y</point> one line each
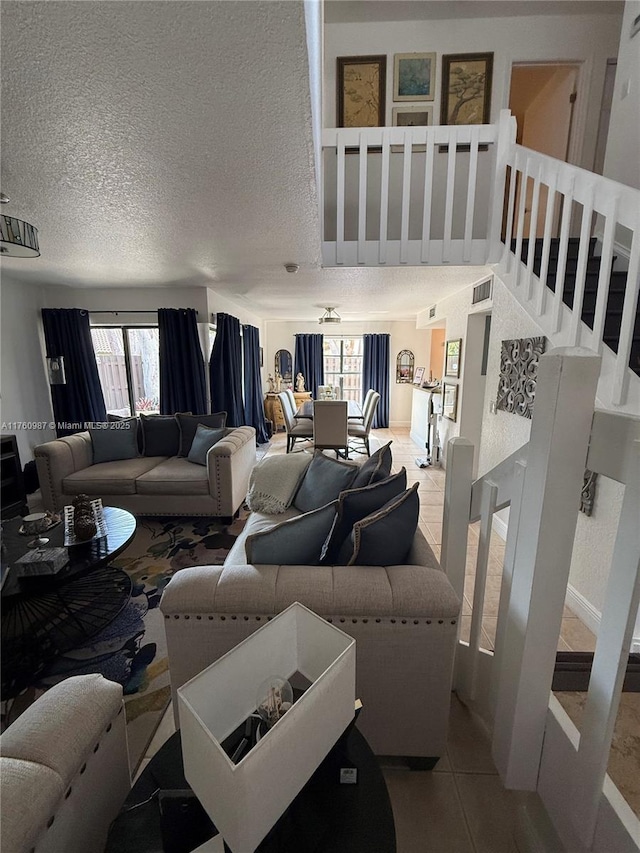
<point>160,435</point>
<point>376,467</point>
<point>188,424</point>
<point>296,542</point>
<point>323,481</point>
<point>383,538</point>
<point>114,419</point>
<point>356,504</point>
<point>204,440</point>
<point>113,441</point>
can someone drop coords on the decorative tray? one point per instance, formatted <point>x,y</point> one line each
<point>54,520</point>
<point>70,537</point>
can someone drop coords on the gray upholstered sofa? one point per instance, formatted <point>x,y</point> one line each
<point>64,769</point>
<point>150,485</point>
<point>403,618</point>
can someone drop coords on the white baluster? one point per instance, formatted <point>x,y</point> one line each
<point>546,240</point>
<point>581,268</point>
<point>340,200</point>
<point>604,276</point>
<point>384,198</point>
<point>630,306</point>
<point>406,195</point>
<point>471,195</point>
<point>448,208</point>
<point>428,196</point>
<point>362,196</point>
<point>567,207</point>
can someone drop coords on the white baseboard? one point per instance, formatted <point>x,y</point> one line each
<point>500,527</point>
<point>399,424</point>
<point>584,610</point>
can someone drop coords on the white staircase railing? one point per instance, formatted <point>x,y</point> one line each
<point>470,195</point>
<point>535,745</point>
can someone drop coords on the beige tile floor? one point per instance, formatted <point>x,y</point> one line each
<point>460,807</point>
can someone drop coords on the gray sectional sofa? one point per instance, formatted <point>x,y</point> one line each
<point>404,619</point>
<point>150,485</point>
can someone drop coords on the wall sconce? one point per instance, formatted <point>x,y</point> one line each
<point>55,367</point>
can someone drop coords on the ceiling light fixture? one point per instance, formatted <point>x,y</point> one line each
<point>330,316</point>
<point>18,239</point>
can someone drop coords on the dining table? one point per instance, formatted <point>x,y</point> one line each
<point>354,410</point>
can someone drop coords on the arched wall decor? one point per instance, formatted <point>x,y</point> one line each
<point>404,366</point>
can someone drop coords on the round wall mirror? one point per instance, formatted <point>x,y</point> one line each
<point>404,366</point>
<point>284,365</point>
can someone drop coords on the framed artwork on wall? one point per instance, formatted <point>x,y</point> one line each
<point>466,88</point>
<point>450,401</point>
<point>360,96</point>
<point>414,76</point>
<point>412,116</point>
<point>453,350</point>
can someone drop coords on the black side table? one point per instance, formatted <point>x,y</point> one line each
<point>325,817</point>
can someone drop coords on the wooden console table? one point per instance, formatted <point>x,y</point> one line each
<point>273,409</point>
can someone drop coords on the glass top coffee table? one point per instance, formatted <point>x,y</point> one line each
<point>325,817</point>
<point>45,616</point>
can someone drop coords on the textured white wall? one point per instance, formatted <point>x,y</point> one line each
<point>24,390</point>
<point>622,162</point>
<point>404,335</point>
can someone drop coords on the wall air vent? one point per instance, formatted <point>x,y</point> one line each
<point>481,292</point>
<point>432,312</point>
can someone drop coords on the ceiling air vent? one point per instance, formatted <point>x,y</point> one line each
<point>482,292</point>
<point>432,312</point>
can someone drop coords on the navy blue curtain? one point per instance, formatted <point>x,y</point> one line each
<point>253,401</point>
<point>375,374</point>
<point>309,361</point>
<point>67,333</point>
<point>182,377</point>
<point>225,370</point>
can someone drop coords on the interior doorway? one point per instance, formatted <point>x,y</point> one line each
<point>542,97</point>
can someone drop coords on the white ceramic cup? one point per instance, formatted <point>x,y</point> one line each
<point>37,522</point>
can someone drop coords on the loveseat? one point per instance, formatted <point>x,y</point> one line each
<point>64,769</point>
<point>403,617</point>
<point>150,485</point>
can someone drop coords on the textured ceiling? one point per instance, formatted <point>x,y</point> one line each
<point>169,144</point>
<point>355,11</point>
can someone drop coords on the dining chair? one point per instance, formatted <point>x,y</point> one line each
<point>365,403</point>
<point>360,430</point>
<point>330,430</point>
<point>292,400</point>
<point>297,430</point>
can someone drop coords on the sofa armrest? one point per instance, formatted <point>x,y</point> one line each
<point>62,727</point>
<point>229,465</point>
<point>55,460</point>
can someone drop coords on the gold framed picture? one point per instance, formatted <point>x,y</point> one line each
<point>466,88</point>
<point>361,85</point>
<point>414,76</point>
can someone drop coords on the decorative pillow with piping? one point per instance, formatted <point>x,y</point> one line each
<point>114,419</point>
<point>295,542</point>
<point>356,504</point>
<point>383,538</point>
<point>160,435</point>
<point>189,424</point>
<point>275,480</point>
<point>376,467</point>
<point>323,481</point>
<point>204,440</point>
<point>113,441</point>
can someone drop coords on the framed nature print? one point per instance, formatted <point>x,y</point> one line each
<point>414,76</point>
<point>452,358</point>
<point>361,89</point>
<point>450,402</point>
<point>466,88</point>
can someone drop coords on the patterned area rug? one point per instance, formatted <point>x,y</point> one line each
<point>132,649</point>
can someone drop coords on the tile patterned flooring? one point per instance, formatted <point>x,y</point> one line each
<point>460,807</point>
